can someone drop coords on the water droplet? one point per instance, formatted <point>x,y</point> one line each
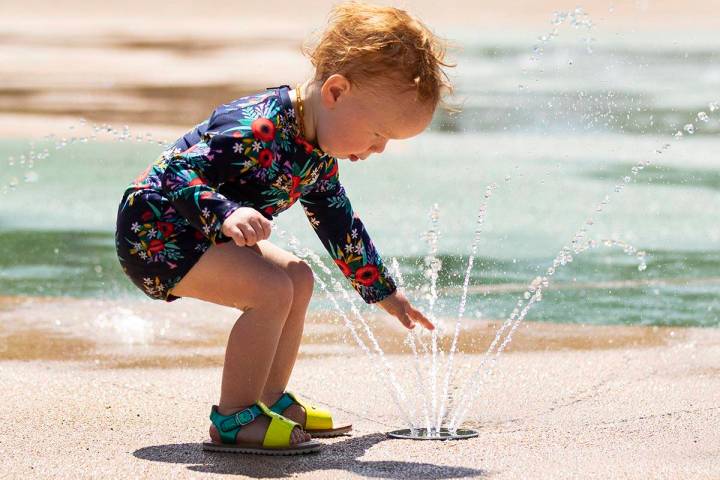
<point>31,177</point>
<point>703,117</point>
<point>713,106</point>
<point>678,134</point>
<point>627,179</point>
<point>689,128</point>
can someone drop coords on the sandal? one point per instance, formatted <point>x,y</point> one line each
<point>277,436</point>
<point>318,422</point>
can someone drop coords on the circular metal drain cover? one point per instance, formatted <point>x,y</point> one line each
<point>443,434</point>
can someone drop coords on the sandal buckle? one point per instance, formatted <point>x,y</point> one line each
<point>244,417</point>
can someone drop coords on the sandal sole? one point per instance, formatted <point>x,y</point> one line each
<point>334,432</point>
<point>300,449</point>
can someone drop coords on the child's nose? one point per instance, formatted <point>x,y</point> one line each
<point>380,147</point>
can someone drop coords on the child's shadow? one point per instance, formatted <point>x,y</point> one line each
<point>337,456</point>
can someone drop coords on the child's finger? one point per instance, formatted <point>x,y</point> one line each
<point>406,320</point>
<point>267,226</point>
<point>249,234</point>
<point>263,228</point>
<point>238,236</point>
<point>422,319</point>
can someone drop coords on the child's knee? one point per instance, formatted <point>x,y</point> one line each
<point>303,280</point>
<point>274,292</point>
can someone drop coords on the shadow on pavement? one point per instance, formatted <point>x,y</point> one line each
<point>343,455</point>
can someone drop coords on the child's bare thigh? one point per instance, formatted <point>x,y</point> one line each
<point>242,277</point>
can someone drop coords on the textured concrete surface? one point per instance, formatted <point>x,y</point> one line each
<point>633,412</point>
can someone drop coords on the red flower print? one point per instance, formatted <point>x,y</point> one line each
<point>332,172</point>
<point>147,215</point>
<point>304,143</point>
<point>156,246</point>
<point>197,181</point>
<point>367,274</point>
<point>269,210</point>
<point>294,194</point>
<point>343,267</point>
<point>166,228</point>
<point>265,158</point>
<point>263,129</point>
<point>205,195</point>
<point>237,134</point>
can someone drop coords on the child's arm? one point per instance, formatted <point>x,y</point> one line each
<point>344,236</point>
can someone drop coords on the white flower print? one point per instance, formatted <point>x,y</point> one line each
<point>151,232</point>
<point>354,234</point>
<point>135,227</point>
<point>147,280</point>
<point>142,255</point>
<point>349,248</point>
<point>206,229</point>
<point>256,146</point>
<point>205,212</point>
<point>237,148</point>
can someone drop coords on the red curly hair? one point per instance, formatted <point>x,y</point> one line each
<point>371,44</point>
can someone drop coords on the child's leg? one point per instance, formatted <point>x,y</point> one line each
<point>239,277</point>
<point>287,350</point>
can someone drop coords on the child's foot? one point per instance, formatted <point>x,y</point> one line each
<point>296,413</point>
<point>254,432</point>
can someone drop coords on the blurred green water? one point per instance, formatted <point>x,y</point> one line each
<point>555,149</point>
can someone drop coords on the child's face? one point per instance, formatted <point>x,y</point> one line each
<point>354,123</point>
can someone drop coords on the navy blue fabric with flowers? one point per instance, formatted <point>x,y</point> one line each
<point>248,153</point>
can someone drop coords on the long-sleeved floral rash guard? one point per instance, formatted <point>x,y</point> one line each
<point>247,154</point>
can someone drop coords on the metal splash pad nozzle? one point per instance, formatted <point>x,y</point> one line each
<point>433,434</point>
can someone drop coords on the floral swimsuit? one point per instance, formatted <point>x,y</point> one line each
<point>248,153</point>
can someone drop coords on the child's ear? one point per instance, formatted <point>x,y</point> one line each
<point>334,88</point>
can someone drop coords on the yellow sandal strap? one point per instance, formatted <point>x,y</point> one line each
<point>317,418</point>
<point>280,429</point>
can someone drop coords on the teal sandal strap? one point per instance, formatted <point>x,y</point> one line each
<point>228,425</point>
<point>283,402</point>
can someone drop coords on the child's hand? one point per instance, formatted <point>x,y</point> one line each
<point>399,306</point>
<point>246,226</point>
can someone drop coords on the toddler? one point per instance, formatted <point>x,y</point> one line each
<point>196,223</point>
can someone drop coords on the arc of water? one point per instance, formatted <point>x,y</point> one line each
<point>410,339</point>
<point>394,388</point>
<point>29,157</point>
<point>562,258</point>
<point>435,266</point>
<point>578,18</point>
<point>463,300</point>
<point>533,295</point>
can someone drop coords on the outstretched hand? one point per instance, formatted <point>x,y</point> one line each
<point>399,306</point>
